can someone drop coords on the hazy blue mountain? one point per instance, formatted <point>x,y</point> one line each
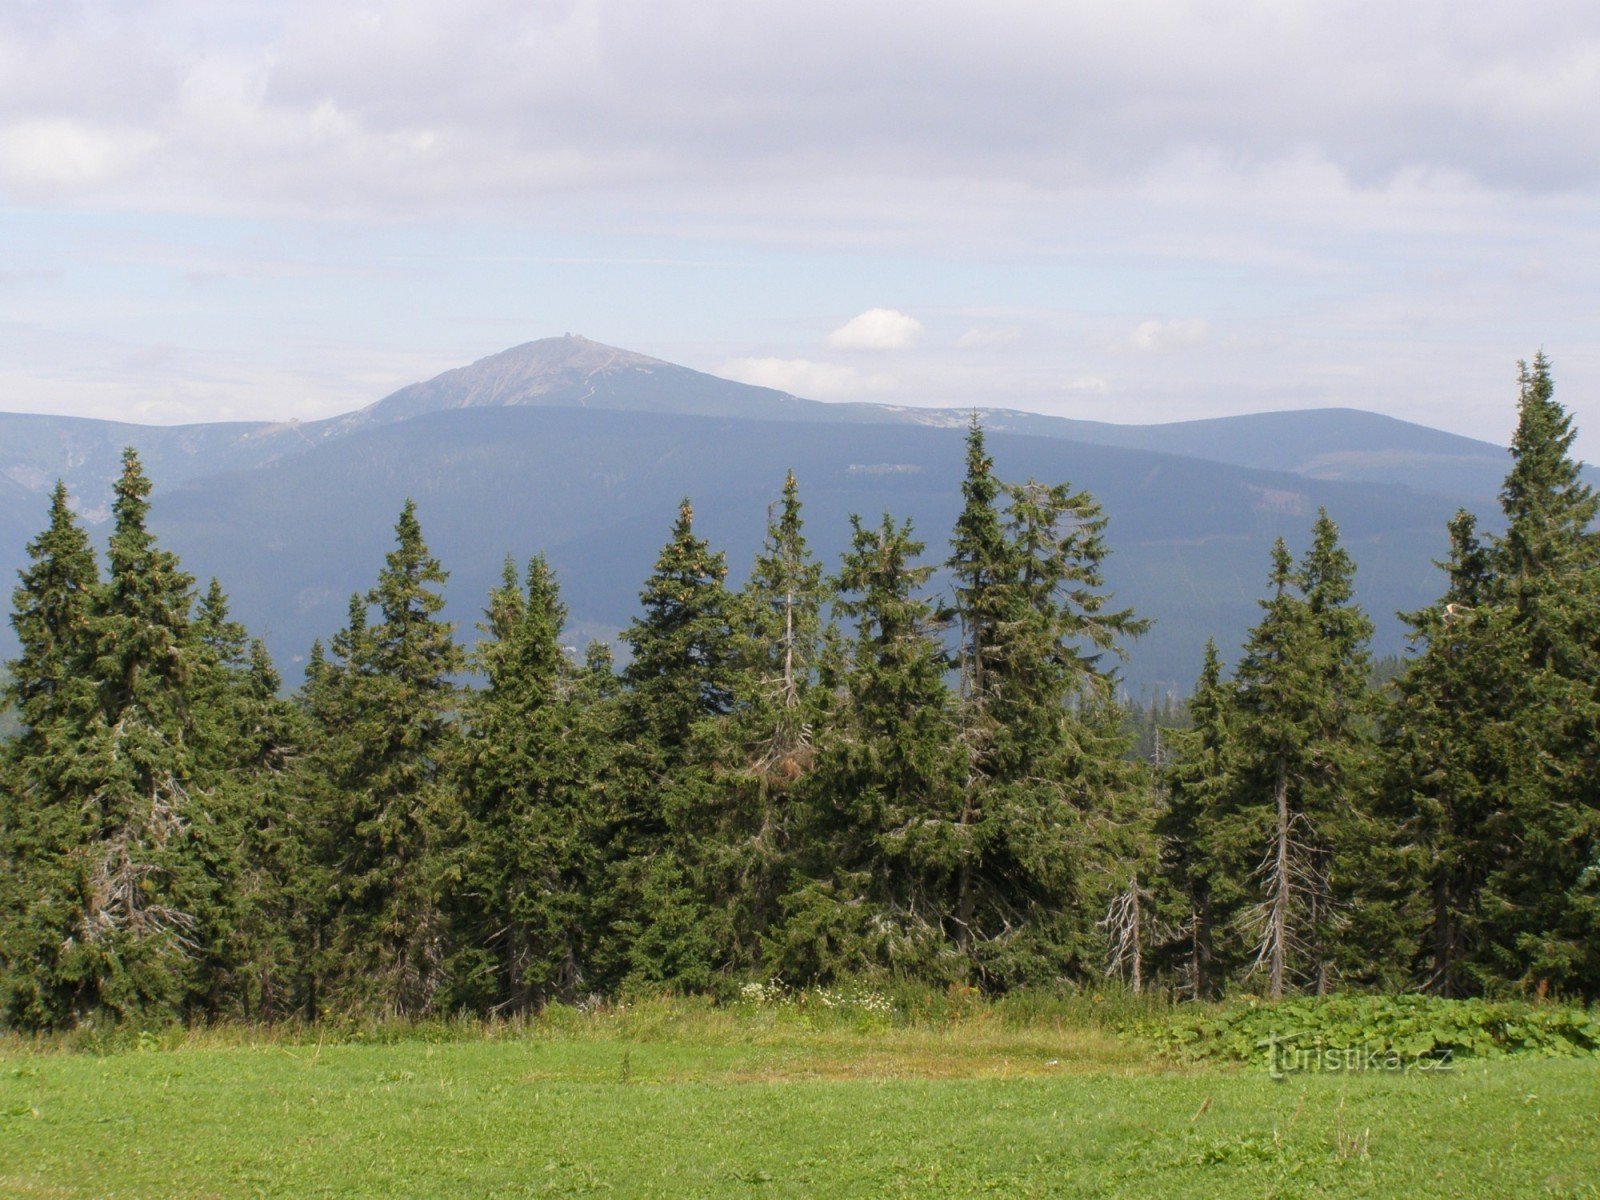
<point>583,451</point>
<point>36,450</point>
<point>574,372</point>
<point>1320,443</point>
<point>597,491</point>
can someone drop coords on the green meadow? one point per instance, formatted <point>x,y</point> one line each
<point>686,1099</point>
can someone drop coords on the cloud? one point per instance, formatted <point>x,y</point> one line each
<point>1089,383</point>
<point>877,329</point>
<point>1156,337</point>
<point>980,336</point>
<point>802,377</point>
<point>506,101</point>
<point>63,154</point>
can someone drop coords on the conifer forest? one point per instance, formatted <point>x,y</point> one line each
<point>833,772</point>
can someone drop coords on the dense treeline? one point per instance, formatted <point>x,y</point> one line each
<point>809,777</point>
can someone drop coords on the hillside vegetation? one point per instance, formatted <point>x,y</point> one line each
<point>821,777</point>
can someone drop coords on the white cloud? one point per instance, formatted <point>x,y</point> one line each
<point>802,377</point>
<point>63,154</point>
<point>1155,337</point>
<point>980,336</point>
<point>877,329</point>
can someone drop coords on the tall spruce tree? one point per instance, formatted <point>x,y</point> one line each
<point>1081,810</point>
<point>1303,719</point>
<point>784,598</point>
<point>771,734</point>
<point>535,754</point>
<point>245,737</point>
<point>1043,756</point>
<point>51,611</point>
<point>682,667</point>
<point>129,900</point>
<point>44,840</point>
<point>678,688</point>
<point>1453,755</point>
<point>1355,934</point>
<point>1547,585</point>
<point>1199,895</point>
<point>1277,700</point>
<point>883,838</point>
<point>389,759</point>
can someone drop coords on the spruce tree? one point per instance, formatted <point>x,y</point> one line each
<point>1354,935</point>
<point>883,838</point>
<point>1046,787</point>
<point>1303,722</point>
<point>388,757</point>
<point>1547,590</point>
<point>130,901</point>
<point>1453,755</point>
<point>52,607</point>
<point>313,782</point>
<point>781,642</point>
<point>678,688</point>
<point>44,842</point>
<point>245,737</point>
<point>1065,746</point>
<point>682,665</point>
<point>769,740</point>
<point>534,758</point>
<point>1198,896</point>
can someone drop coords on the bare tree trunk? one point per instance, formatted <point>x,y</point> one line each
<point>1278,921</point>
<point>1443,938</point>
<point>964,873</point>
<point>791,695</point>
<point>1137,972</point>
<point>1124,926</point>
<point>1200,943</point>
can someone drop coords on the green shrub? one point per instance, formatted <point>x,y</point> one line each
<point>1411,1030</point>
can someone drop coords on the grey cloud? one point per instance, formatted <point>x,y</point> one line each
<point>428,105</point>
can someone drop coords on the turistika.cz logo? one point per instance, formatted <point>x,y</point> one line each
<point>1286,1056</point>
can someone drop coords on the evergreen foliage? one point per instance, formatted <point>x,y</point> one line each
<point>1490,750</point>
<point>535,754</point>
<point>769,743</point>
<point>10,722</point>
<point>387,758</point>
<point>884,840</point>
<point>1049,799</point>
<point>1202,897</point>
<point>664,828</point>
<point>115,826</point>
<point>1287,789</point>
<point>806,779</point>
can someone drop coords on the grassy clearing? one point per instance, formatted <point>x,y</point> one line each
<point>683,1100</point>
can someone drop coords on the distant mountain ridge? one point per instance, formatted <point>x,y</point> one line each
<point>582,449</point>
<point>574,372</point>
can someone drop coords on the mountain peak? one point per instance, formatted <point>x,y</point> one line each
<point>570,350</point>
<point>554,371</point>
<point>573,371</point>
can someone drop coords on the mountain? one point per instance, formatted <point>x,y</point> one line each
<point>573,372</point>
<point>1321,443</point>
<point>583,451</point>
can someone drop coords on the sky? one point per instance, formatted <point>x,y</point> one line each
<point>1120,211</point>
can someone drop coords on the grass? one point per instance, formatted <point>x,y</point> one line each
<point>682,1099</point>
